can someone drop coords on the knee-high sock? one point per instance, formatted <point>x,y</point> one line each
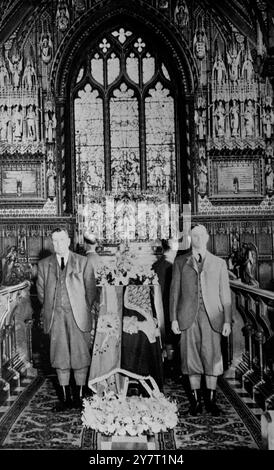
<point>80,375</point>
<point>211,382</point>
<point>63,376</point>
<point>195,382</point>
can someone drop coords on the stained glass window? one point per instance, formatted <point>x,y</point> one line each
<point>89,127</point>
<point>160,137</point>
<point>124,112</point>
<point>124,138</point>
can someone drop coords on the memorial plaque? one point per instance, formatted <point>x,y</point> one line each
<point>233,179</point>
<point>16,183</point>
<point>22,181</point>
<point>229,174</point>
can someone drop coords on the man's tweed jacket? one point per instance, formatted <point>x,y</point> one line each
<point>184,295</point>
<point>80,283</point>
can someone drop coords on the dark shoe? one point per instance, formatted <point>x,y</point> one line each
<point>65,402</point>
<point>62,406</point>
<point>210,403</point>
<point>78,396</point>
<point>196,407</point>
<point>87,392</point>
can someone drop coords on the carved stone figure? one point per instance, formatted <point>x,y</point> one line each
<point>181,14</point>
<point>29,76</point>
<point>51,180</point>
<point>202,152</point>
<point>31,123</point>
<point>268,121</point>
<point>62,16</point>
<point>249,119</point>
<point>233,264</point>
<point>4,76</point>
<point>200,43</point>
<point>50,125</point>
<point>234,119</point>
<point>269,176</point>
<point>17,123</point>
<point>219,73</point>
<point>219,115</point>
<point>163,4</point>
<point>269,151</point>
<point>249,264</point>
<point>200,121</point>
<point>5,125</point>
<point>233,58</point>
<point>79,5</point>
<point>46,48</point>
<point>16,67</point>
<point>202,176</point>
<point>247,68</point>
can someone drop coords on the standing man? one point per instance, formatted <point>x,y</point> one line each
<point>200,310</point>
<point>66,289</point>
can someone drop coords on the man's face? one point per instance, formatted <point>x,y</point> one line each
<point>61,242</point>
<point>199,238</point>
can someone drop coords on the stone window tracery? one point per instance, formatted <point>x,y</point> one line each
<point>124,116</point>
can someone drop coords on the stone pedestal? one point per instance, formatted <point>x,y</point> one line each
<point>142,442</point>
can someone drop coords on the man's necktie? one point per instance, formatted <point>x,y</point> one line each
<point>62,264</point>
<point>199,258</point>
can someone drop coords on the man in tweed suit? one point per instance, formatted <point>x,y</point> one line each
<point>66,289</point>
<point>200,310</point>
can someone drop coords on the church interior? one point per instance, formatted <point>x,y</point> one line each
<point>130,120</point>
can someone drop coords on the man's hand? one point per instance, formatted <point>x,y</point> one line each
<point>175,327</point>
<point>226,329</point>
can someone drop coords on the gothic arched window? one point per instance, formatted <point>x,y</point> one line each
<point>124,115</point>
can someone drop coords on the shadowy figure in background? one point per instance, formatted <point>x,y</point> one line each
<point>91,244</point>
<point>95,261</point>
<point>163,268</point>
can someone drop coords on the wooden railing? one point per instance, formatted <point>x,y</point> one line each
<point>254,321</point>
<point>15,335</point>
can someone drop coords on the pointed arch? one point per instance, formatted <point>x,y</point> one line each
<point>179,64</point>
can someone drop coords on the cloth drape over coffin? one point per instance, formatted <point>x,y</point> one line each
<point>127,342</point>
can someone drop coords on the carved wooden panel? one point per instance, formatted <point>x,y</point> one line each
<point>265,243</point>
<point>266,275</point>
<point>221,244</point>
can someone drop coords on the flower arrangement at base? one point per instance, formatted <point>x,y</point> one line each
<point>120,415</point>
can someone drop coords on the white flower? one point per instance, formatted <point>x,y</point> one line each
<point>120,415</point>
